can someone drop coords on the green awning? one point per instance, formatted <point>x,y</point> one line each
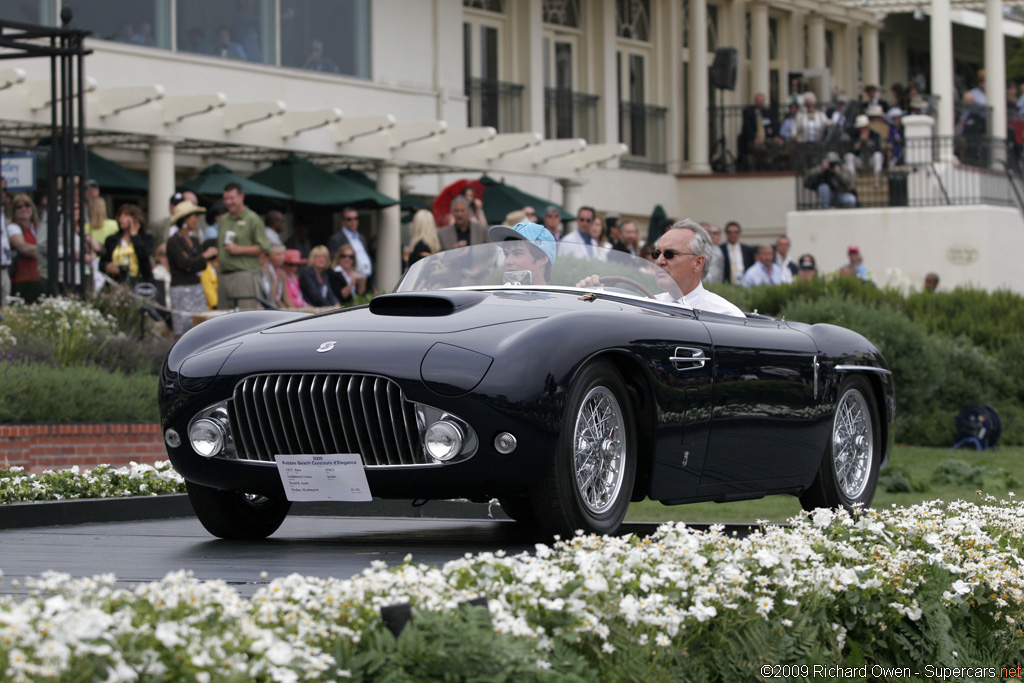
<point>212,179</point>
<point>307,183</point>
<point>107,174</point>
<point>409,202</point>
<point>654,225</point>
<point>500,200</point>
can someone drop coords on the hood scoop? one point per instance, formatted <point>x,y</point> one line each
<point>424,304</point>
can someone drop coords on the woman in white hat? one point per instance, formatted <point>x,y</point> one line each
<point>186,259</point>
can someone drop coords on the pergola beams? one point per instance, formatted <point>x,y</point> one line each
<point>210,120</point>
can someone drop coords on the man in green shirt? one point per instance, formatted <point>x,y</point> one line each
<point>241,239</point>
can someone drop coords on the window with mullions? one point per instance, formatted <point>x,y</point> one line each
<point>633,19</point>
<point>330,37</point>
<point>487,5</point>
<point>135,22</point>
<point>242,30</point>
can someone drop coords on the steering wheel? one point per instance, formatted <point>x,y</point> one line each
<point>611,280</point>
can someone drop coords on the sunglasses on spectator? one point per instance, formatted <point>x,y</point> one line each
<point>348,256</point>
<point>671,254</point>
<point>715,232</point>
<point>22,206</point>
<point>351,218</point>
<point>585,220</point>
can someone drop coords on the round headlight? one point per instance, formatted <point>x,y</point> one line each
<point>505,443</point>
<point>443,440</point>
<point>172,438</point>
<point>207,437</point>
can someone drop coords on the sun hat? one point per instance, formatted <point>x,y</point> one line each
<point>185,209</point>
<point>875,110</point>
<point>832,157</point>
<point>918,102</point>
<point>861,121</point>
<point>293,257</point>
<point>893,114</point>
<point>537,235</point>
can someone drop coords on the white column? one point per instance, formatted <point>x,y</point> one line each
<point>995,68</point>
<point>670,56</point>
<point>942,67</point>
<point>869,46</point>
<point>387,268</point>
<point>571,193</point>
<point>851,34</point>
<point>759,54</point>
<point>606,78</point>
<point>816,43</point>
<point>697,96</point>
<point>796,42</point>
<point>161,178</point>
<point>738,24</point>
<point>527,18</point>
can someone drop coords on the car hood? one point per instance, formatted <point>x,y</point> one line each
<point>442,312</point>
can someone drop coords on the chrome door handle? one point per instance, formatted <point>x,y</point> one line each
<point>688,358</point>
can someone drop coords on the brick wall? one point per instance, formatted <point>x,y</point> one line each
<point>59,446</point>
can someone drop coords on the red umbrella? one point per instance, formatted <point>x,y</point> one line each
<point>443,202</point>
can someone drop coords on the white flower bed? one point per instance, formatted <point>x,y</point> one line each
<point>103,481</point>
<point>842,582</point>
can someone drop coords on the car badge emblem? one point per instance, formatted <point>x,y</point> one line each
<point>326,346</point>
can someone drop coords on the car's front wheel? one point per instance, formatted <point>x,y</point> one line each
<point>238,516</point>
<point>848,473</point>
<point>591,480</point>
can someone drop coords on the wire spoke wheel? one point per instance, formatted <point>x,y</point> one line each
<point>848,474</point>
<point>599,454</point>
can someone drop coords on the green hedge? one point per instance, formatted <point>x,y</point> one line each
<point>946,350</point>
<point>34,393</point>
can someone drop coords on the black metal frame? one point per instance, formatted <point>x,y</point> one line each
<point>65,48</point>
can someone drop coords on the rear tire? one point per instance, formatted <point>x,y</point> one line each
<point>591,479</point>
<point>236,516</point>
<point>853,455</point>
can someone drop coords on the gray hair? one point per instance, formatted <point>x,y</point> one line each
<point>460,201</point>
<point>701,243</point>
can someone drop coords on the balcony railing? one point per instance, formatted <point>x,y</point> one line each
<point>935,171</point>
<point>496,104</point>
<point>569,114</point>
<point>642,128</point>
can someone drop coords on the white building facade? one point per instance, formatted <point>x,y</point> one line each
<point>598,102</point>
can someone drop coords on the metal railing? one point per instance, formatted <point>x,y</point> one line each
<point>935,171</point>
<point>569,114</point>
<point>495,103</point>
<point>643,128</point>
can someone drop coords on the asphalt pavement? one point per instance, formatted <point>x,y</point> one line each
<point>142,539</point>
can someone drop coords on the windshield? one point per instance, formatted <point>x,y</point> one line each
<point>519,264</point>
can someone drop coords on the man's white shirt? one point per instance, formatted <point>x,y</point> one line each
<point>703,300</point>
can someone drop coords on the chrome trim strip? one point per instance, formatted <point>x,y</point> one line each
<point>863,368</point>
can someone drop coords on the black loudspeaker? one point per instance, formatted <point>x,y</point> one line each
<point>723,70</point>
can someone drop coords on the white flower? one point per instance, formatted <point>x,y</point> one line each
<point>662,640</point>
<point>822,517</point>
<point>168,634</point>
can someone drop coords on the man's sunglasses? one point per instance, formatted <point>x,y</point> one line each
<point>671,254</point>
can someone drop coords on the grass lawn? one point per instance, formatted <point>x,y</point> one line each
<point>995,472</point>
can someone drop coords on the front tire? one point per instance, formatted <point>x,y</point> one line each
<point>236,516</point>
<point>849,468</point>
<point>591,480</point>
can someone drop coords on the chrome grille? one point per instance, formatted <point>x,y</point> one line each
<point>319,414</point>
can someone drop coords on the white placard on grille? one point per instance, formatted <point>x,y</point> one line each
<point>324,477</point>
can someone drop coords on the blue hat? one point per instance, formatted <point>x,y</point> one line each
<point>537,235</point>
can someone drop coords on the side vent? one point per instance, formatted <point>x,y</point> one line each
<point>424,304</point>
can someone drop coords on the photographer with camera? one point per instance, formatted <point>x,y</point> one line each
<point>832,183</point>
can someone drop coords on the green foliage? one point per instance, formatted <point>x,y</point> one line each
<point>34,393</point>
<point>450,646</point>
<point>69,327</point>
<point>896,479</point>
<point>953,471</point>
<point>103,481</point>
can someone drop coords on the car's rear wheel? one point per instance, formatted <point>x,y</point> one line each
<point>853,455</point>
<point>233,515</point>
<point>591,480</point>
